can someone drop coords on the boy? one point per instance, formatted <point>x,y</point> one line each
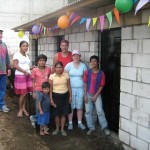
<point>94,81</point>
<point>44,108</point>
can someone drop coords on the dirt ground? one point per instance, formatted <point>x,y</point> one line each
<point>18,134</point>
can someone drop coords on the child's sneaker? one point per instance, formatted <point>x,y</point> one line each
<point>33,124</point>
<point>90,131</point>
<point>4,109</point>
<point>81,126</point>
<point>106,131</point>
<point>70,126</point>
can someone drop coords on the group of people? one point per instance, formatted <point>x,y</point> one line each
<point>66,87</point>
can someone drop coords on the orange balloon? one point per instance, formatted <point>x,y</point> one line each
<point>63,22</point>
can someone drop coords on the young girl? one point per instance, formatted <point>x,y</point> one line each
<point>60,95</point>
<point>23,81</point>
<point>40,74</point>
<point>44,108</point>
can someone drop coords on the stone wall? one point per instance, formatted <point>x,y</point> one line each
<point>135,88</point>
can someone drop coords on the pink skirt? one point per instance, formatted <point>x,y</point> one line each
<point>23,84</point>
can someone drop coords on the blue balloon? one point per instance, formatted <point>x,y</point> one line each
<point>35,29</point>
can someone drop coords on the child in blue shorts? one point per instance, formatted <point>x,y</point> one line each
<point>44,108</point>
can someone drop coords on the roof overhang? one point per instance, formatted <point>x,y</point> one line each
<point>80,6</point>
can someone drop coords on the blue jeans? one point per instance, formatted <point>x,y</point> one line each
<point>89,107</point>
<point>35,117</point>
<point>2,89</point>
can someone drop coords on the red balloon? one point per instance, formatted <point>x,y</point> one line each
<point>63,22</point>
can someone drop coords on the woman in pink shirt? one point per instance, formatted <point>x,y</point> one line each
<point>40,74</point>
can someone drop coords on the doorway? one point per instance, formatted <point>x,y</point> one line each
<point>110,64</point>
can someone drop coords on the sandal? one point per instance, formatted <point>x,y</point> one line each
<point>63,133</point>
<point>26,113</point>
<point>55,132</point>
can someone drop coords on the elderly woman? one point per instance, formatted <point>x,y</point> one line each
<point>76,69</point>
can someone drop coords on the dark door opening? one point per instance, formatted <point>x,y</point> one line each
<point>110,64</point>
<point>35,50</point>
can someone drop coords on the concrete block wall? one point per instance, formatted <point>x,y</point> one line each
<point>48,46</point>
<point>134,129</point>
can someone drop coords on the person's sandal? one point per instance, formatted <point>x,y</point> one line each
<point>55,132</point>
<point>63,133</point>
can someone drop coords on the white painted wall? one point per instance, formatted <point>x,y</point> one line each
<point>16,12</point>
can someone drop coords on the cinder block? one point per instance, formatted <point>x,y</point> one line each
<point>72,38</point>
<point>126,86</point>
<point>126,59</point>
<point>128,126</point>
<point>91,36</point>
<point>124,137</point>
<point>141,89</point>
<point>143,104</point>
<point>138,144</point>
<point>128,100</point>
<point>125,111</point>
<point>146,46</point>
<point>75,46</point>
<point>93,46</point>
<point>129,46</point>
<point>128,73</point>
<point>85,46</point>
<point>140,117</point>
<point>79,37</point>
<point>126,33</point>
<point>144,133</point>
<point>141,60</point>
<point>146,75</point>
<point>141,32</point>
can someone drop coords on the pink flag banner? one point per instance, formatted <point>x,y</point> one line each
<point>140,5</point>
<point>74,20</point>
<point>88,23</point>
<point>102,19</point>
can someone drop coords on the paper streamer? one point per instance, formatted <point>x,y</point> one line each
<point>74,20</point>
<point>101,19</point>
<point>83,20</point>
<point>109,17</point>
<point>140,5</point>
<point>94,21</point>
<point>116,12</point>
<point>88,23</point>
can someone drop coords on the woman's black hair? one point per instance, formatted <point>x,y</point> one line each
<point>41,56</point>
<point>94,57</point>
<point>45,85</point>
<point>22,42</point>
<point>59,63</point>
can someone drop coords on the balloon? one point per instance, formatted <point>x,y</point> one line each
<point>36,29</point>
<point>20,34</point>
<point>124,6</point>
<point>63,22</point>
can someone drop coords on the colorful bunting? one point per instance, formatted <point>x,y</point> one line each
<point>116,12</point>
<point>140,5</point>
<point>135,1</point>
<point>109,17</point>
<point>94,21</point>
<point>83,20</point>
<point>74,20</point>
<point>149,22</point>
<point>102,19</point>
<point>88,23</point>
<point>73,17</point>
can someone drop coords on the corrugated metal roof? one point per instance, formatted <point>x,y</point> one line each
<point>51,18</point>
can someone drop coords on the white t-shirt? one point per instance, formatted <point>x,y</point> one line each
<point>23,62</point>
